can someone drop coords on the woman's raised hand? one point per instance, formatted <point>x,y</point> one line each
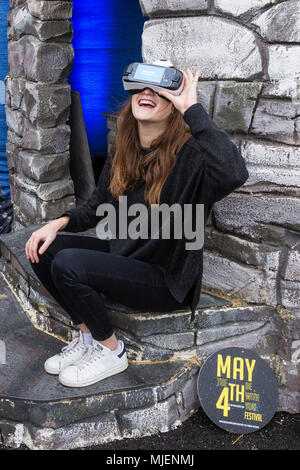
<point>188,95</point>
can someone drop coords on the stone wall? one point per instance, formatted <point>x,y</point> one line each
<point>40,56</point>
<point>248,54</point>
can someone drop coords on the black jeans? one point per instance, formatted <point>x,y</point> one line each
<point>77,270</point>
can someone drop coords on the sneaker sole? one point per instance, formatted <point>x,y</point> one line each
<point>51,371</point>
<point>109,373</point>
<point>55,371</point>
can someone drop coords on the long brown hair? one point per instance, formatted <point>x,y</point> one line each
<point>128,163</point>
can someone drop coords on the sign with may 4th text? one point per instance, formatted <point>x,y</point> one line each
<point>237,390</point>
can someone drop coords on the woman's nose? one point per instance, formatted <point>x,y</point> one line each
<point>148,90</point>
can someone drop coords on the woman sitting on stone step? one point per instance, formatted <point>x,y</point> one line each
<point>168,151</point>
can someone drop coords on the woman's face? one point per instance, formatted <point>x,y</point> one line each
<point>148,106</point>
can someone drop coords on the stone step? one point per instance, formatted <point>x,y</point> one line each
<point>36,410</point>
<point>156,393</point>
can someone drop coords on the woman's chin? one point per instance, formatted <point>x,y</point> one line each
<point>144,115</point>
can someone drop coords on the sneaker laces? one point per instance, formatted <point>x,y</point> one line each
<point>66,350</point>
<point>93,352</point>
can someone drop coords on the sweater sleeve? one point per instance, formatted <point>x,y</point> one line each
<point>84,216</point>
<point>225,168</point>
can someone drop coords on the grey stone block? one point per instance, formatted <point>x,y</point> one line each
<point>168,7</point>
<point>43,169</point>
<point>39,61</point>
<point>227,316</point>
<point>234,105</point>
<point>90,432</point>
<point>251,217</point>
<point>277,120</point>
<point>48,210</point>
<point>61,413</point>
<point>44,191</point>
<point>239,281</point>
<point>185,375</point>
<point>50,10</point>
<point>15,3</point>
<point>15,89</point>
<point>223,332</point>
<point>47,105</point>
<point>250,253</point>
<point>151,323</point>
<point>149,420</point>
<point>263,341</point>
<point>285,87</point>
<point>11,156</point>
<point>15,121</point>
<point>187,399</point>
<point>11,433</point>
<point>290,293</point>
<point>273,163</point>
<point>53,140</point>
<point>55,189</point>
<point>292,269</point>
<point>206,95</point>
<point>176,341</point>
<point>14,138</point>
<point>284,62</point>
<point>16,52</point>
<point>237,8</point>
<point>47,62</point>
<point>207,43</point>
<point>23,23</point>
<point>280,23</point>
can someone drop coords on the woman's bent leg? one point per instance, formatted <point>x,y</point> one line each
<point>83,275</point>
<point>43,268</point>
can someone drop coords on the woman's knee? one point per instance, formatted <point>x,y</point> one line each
<point>48,254</point>
<point>66,265</point>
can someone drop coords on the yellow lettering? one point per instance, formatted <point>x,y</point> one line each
<point>248,386</point>
<point>253,416</point>
<point>237,393</point>
<point>240,395</point>
<point>250,368</point>
<point>221,382</point>
<point>238,367</point>
<point>223,368</point>
<point>250,406</point>
<point>231,391</point>
<point>222,403</point>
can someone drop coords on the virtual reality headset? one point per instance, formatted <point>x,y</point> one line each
<point>161,75</point>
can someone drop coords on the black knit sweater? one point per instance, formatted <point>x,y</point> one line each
<point>207,168</point>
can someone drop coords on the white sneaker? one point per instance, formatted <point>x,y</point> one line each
<point>68,355</point>
<point>98,363</point>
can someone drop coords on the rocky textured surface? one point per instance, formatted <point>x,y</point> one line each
<point>36,410</point>
<point>38,100</point>
<point>187,42</point>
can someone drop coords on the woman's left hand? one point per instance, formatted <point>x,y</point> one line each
<point>188,95</point>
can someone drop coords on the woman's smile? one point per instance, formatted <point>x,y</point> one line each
<point>149,106</point>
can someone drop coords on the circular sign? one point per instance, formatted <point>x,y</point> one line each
<point>237,390</point>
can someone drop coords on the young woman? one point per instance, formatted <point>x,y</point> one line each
<point>168,150</point>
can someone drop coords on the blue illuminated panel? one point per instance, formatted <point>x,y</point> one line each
<point>4,181</point>
<point>107,37</point>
